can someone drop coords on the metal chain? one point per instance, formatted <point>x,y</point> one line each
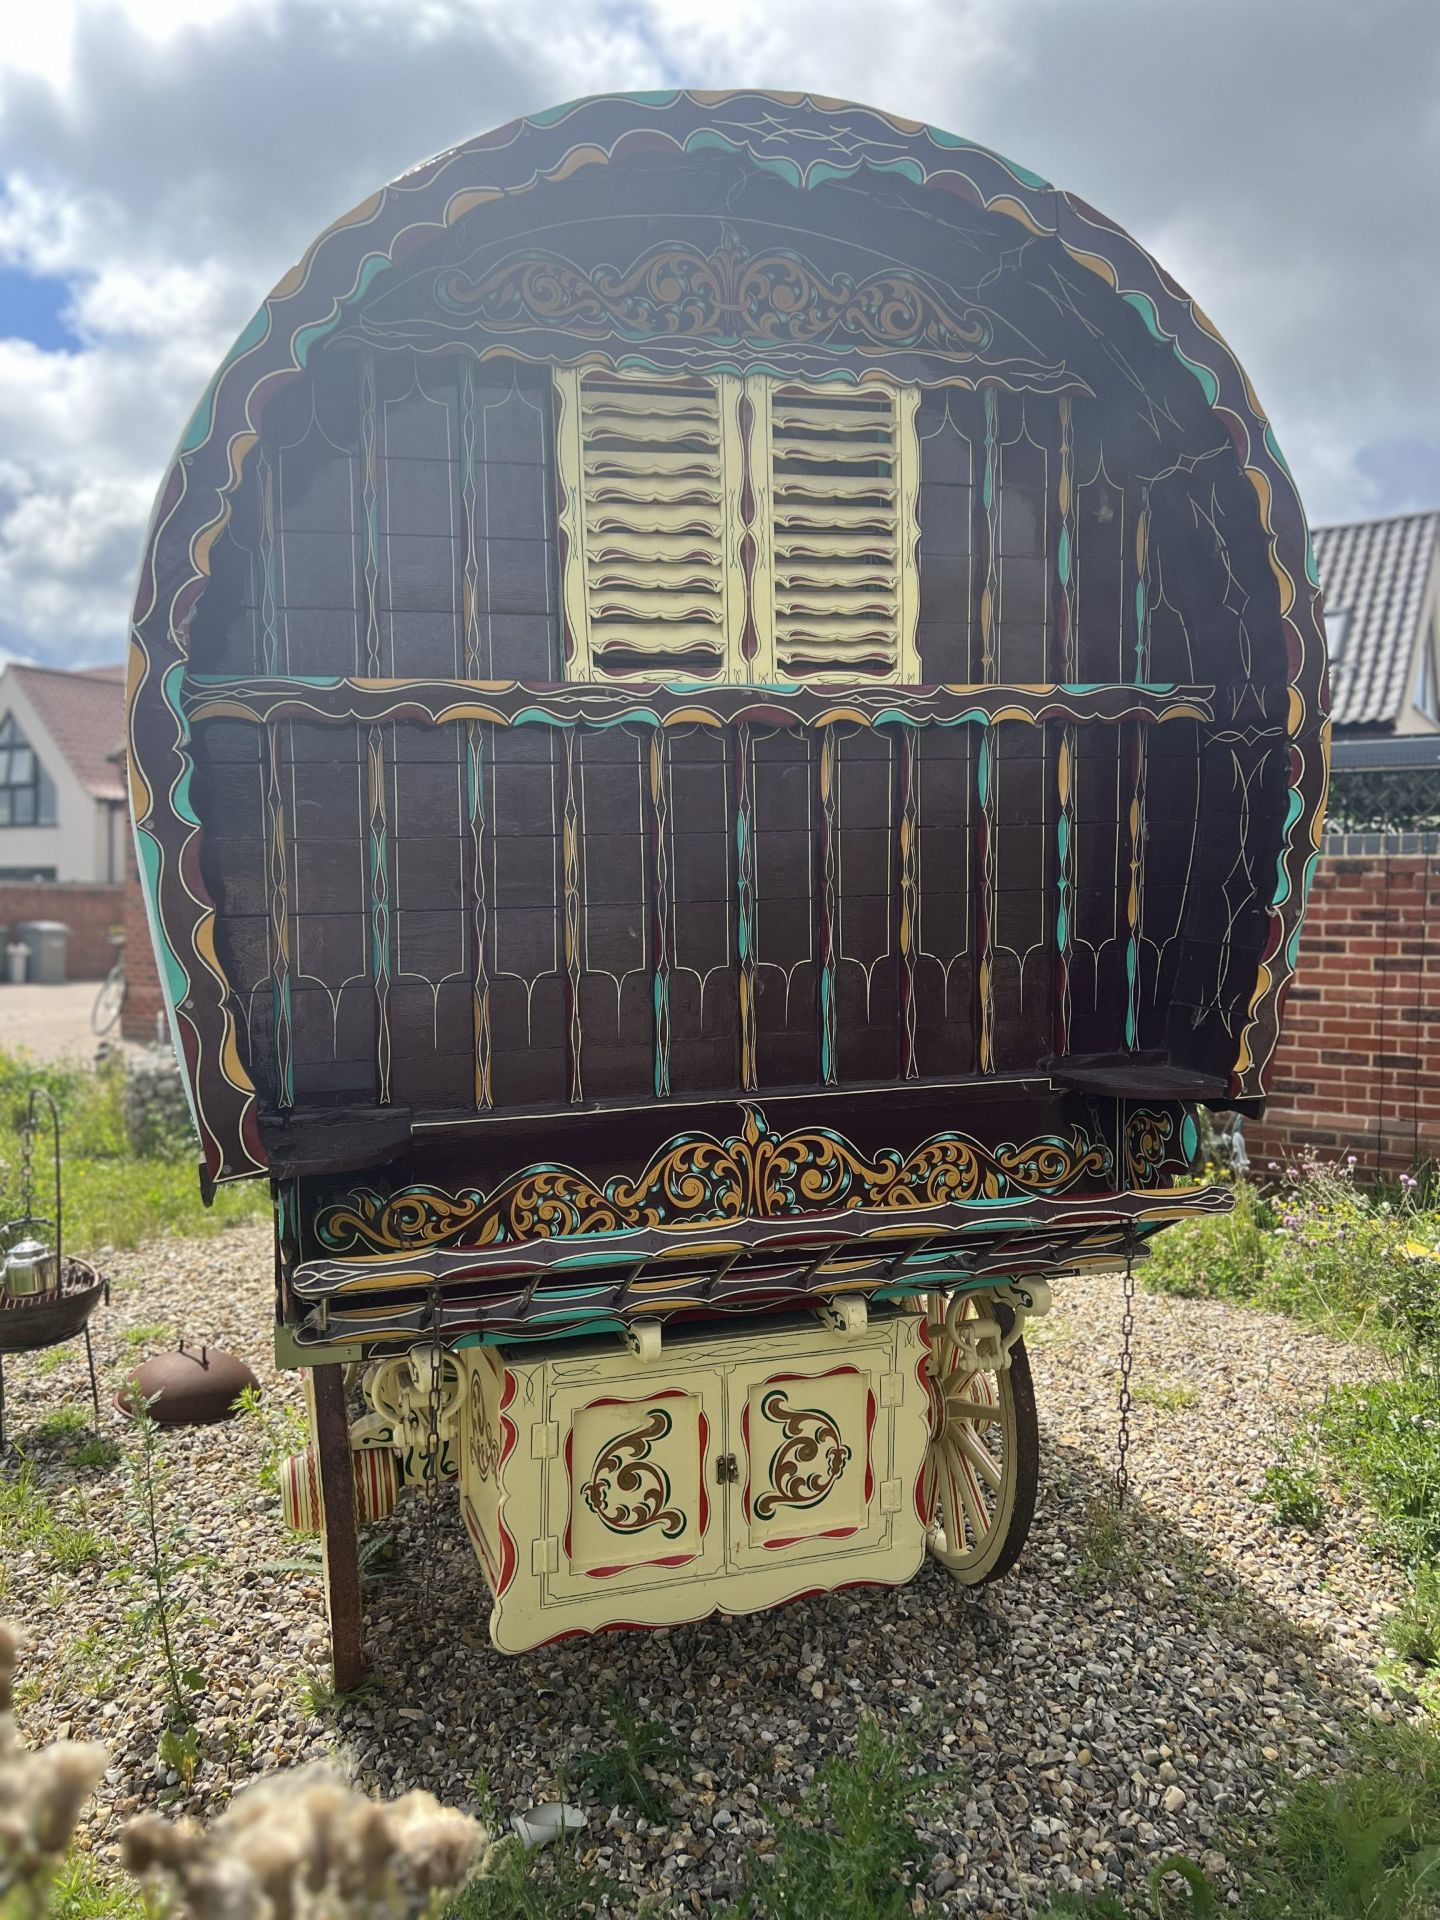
<point>432,1437</point>
<point>27,1147</point>
<point>1127,1331</point>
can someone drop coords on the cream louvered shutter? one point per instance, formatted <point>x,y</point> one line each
<point>722,529</point>
<point>650,520</point>
<point>843,481</point>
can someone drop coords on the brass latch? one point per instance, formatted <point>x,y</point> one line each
<point>727,1470</point>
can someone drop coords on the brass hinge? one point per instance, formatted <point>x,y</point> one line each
<point>727,1470</point>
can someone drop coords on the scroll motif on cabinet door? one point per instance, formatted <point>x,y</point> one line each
<point>636,1473</point>
<point>807,1441</point>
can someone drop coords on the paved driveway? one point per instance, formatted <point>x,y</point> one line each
<point>53,1023</point>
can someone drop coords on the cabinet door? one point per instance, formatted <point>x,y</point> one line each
<point>814,1450</point>
<point>629,1497</point>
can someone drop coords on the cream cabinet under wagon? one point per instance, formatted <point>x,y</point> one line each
<point>730,1472</point>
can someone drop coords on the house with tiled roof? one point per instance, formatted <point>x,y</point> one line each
<point>1382,615</point>
<point>62,791</point>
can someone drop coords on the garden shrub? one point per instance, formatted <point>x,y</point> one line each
<point>1218,1257</point>
<point>1383,1442</point>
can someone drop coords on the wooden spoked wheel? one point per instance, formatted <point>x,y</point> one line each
<point>982,1466</point>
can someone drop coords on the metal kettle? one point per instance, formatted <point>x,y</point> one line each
<point>32,1265</point>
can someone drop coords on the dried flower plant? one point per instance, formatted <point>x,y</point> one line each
<point>41,1795</point>
<point>298,1846</point>
<point>303,1845</point>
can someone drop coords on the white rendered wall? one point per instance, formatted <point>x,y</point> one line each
<point>73,846</point>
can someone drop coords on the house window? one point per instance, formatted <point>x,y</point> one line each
<point>1336,624</point>
<point>735,529</point>
<point>27,793</point>
<point>1427,688</point>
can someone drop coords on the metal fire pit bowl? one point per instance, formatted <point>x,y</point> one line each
<point>45,1319</point>
<point>46,1295</point>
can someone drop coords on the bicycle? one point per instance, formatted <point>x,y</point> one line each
<point>110,1000</point>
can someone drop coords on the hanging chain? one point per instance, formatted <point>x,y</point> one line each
<point>432,1435</point>
<point>1127,1332</point>
<point>27,1149</point>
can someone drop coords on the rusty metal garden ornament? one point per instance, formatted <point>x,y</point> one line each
<point>188,1386</point>
<point>46,1295</point>
<point>727,734</point>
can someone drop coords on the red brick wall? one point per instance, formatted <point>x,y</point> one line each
<point>90,912</point>
<point>1358,1069</point>
<point>143,999</point>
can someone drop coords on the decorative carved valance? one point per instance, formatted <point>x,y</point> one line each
<point>728,296</point>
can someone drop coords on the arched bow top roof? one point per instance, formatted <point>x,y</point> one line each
<point>808,143</point>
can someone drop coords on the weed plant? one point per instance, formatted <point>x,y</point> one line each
<point>1363,1847</point>
<point>1330,1252</point>
<point>626,1772</point>
<point>160,1569</point>
<point>520,1885</point>
<point>1319,1246</point>
<point>853,1851</point>
<point>283,1430</point>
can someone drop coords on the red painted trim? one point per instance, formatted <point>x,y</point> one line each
<point>509,1440</point>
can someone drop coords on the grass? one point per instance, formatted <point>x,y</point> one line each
<point>626,1773</point>
<point>1217,1257</point>
<point>104,1659</point>
<point>154,1333</point>
<point>1414,1639</point>
<point>82,1891</point>
<point>1166,1396</point>
<point>1111,1549</point>
<point>114,1198</point>
<point>62,1424</point>
<point>1360,1262</point>
<point>1382,1441</point>
<point>1293,1494</point>
<point>1316,1246</point>
<point>852,1852</point>
<point>525,1886</point>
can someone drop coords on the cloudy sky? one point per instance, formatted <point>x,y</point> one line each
<point>163,161</point>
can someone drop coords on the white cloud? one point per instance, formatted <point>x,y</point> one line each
<point>169,158</point>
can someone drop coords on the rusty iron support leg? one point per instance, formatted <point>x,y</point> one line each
<point>339,1533</point>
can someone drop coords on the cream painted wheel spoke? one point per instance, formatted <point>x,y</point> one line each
<point>979,1413</point>
<point>983,1461</point>
<point>963,1480</point>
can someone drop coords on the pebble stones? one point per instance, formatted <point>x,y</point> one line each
<point>1093,1713</point>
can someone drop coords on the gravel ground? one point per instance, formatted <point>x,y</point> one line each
<point>1098,1709</point>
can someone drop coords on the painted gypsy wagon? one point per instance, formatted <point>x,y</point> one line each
<point>727,736</point>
